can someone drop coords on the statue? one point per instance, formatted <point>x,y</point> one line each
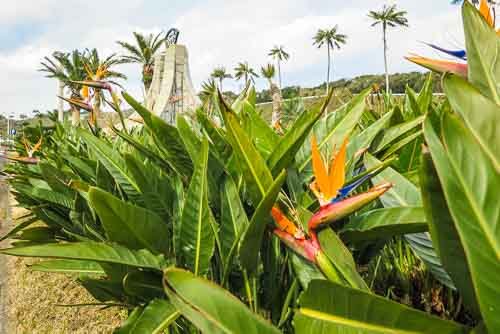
<point>172,37</point>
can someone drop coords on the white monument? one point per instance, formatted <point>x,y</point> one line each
<point>171,89</point>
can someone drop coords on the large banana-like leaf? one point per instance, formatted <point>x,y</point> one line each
<point>53,197</point>
<point>113,162</point>
<point>92,251</point>
<point>69,267</point>
<point>384,223</point>
<point>483,48</point>
<point>157,192</point>
<point>396,132</point>
<point>443,232</point>
<point>286,150</point>
<point>263,136</point>
<point>197,240</point>
<point>145,150</point>
<point>153,319</point>
<point>331,308</point>
<point>234,220</point>
<point>130,225</point>
<point>56,178</point>
<point>467,101</point>
<point>253,167</point>
<point>366,137</point>
<point>341,258</point>
<point>339,125</point>
<point>404,193</point>
<point>252,239</point>
<point>211,308</point>
<point>470,182</point>
<point>144,285</point>
<point>167,138</point>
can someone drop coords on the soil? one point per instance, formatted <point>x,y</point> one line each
<point>29,299</point>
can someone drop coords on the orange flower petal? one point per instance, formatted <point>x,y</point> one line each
<point>337,171</point>
<point>285,224</point>
<point>319,168</point>
<point>485,11</point>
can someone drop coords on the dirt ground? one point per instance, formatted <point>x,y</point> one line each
<point>28,299</point>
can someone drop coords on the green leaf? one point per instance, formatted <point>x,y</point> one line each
<point>404,193</point>
<point>365,138</point>
<point>395,132</point>
<point>128,324</point>
<point>384,223</point>
<point>403,143</point>
<point>443,232</point>
<point>252,239</point>
<point>339,125</point>
<point>481,115</point>
<point>286,150</point>
<point>53,197</point>
<point>154,319</point>
<point>167,138</point>
<point>211,308</point>
<point>341,258</point>
<point>253,167</point>
<point>470,182</point>
<point>483,48</point>
<point>148,152</point>
<point>330,308</point>
<point>92,251</point>
<point>197,240</point>
<point>114,163</point>
<point>129,225</point>
<point>69,267</point>
<point>263,136</point>
<point>234,220</point>
<point>144,285</point>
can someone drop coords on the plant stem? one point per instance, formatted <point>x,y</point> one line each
<point>248,291</point>
<point>327,268</point>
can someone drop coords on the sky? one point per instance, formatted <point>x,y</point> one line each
<point>216,33</point>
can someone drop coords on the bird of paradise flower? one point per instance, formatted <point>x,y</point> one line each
<point>456,67</point>
<point>330,190</point>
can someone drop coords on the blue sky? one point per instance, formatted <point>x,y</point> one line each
<point>216,32</point>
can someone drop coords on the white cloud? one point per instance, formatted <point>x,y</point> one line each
<point>217,32</point>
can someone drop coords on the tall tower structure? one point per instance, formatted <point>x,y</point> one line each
<point>171,91</point>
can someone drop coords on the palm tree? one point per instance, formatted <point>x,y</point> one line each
<point>243,70</point>
<point>269,72</point>
<point>279,54</point>
<point>389,16</point>
<point>99,69</point>
<point>67,68</point>
<point>143,53</point>
<point>220,74</point>
<point>333,39</point>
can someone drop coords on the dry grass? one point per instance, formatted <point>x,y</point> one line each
<point>31,299</point>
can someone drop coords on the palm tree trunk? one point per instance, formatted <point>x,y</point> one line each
<point>328,72</point>
<point>279,73</point>
<point>220,84</point>
<point>387,88</point>
<point>276,103</point>
<point>60,102</point>
<point>75,116</point>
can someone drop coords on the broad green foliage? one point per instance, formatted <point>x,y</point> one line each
<point>211,308</point>
<point>470,184</point>
<point>175,224</point>
<point>327,307</point>
<point>196,240</point>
